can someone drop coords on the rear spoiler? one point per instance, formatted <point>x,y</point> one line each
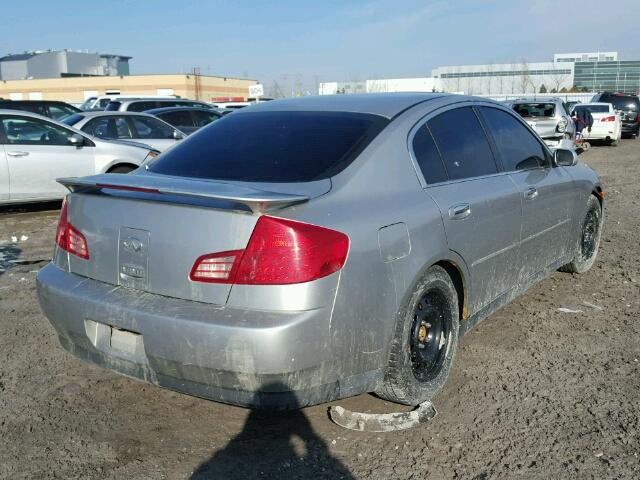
<point>257,201</point>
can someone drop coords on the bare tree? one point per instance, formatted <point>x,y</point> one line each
<point>525,78</point>
<point>558,77</point>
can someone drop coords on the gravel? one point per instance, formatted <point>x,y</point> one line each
<point>535,392</point>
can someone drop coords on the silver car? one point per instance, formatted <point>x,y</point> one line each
<point>550,118</point>
<point>35,150</point>
<point>139,127</point>
<point>309,249</point>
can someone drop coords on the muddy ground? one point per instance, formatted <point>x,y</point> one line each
<point>535,392</point>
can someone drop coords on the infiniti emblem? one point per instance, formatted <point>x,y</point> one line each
<point>133,245</point>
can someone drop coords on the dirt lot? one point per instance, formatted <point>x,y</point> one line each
<point>535,392</point>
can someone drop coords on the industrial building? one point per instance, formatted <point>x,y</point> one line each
<point>590,71</point>
<point>76,89</point>
<point>61,63</point>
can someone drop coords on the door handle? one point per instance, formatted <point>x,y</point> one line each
<point>462,210</point>
<point>17,154</point>
<point>531,193</point>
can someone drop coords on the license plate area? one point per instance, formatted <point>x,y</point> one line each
<point>133,258</point>
<point>115,341</point>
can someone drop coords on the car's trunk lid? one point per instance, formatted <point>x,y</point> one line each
<point>146,231</point>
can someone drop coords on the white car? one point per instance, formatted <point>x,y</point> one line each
<point>35,150</point>
<point>607,124</point>
<point>140,127</point>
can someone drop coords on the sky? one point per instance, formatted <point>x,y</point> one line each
<point>300,43</point>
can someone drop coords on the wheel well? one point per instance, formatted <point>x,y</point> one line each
<point>133,166</point>
<point>458,282</point>
<point>598,193</point>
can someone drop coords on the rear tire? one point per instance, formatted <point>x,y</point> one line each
<point>425,341</point>
<point>589,240</point>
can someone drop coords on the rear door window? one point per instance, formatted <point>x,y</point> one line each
<point>517,147</point>
<point>428,156</point>
<point>463,144</point>
<point>202,118</point>
<point>178,118</point>
<point>287,146</point>
<point>147,127</point>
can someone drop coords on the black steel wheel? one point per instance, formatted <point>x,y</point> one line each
<point>589,239</point>
<point>425,340</point>
<point>429,335</point>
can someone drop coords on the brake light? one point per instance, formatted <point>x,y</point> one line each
<point>612,118</point>
<point>279,252</point>
<point>70,238</point>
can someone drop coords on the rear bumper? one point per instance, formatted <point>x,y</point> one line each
<point>250,358</point>
<point>630,128</point>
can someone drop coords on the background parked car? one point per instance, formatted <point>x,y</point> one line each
<point>48,108</point>
<point>127,126</point>
<point>142,105</point>
<point>606,122</point>
<point>36,150</point>
<point>628,106</point>
<point>550,118</point>
<point>101,102</point>
<point>186,119</point>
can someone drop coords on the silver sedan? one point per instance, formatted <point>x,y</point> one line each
<point>35,150</point>
<point>135,126</point>
<point>343,245</point>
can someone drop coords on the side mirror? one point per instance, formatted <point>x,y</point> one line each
<point>178,135</point>
<point>565,158</point>
<point>76,140</point>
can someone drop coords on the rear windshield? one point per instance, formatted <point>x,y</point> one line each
<point>622,102</point>
<point>535,109</point>
<point>593,108</point>
<point>272,146</point>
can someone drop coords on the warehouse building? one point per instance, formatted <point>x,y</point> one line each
<point>61,63</point>
<point>77,89</point>
<point>592,71</point>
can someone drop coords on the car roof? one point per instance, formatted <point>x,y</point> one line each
<point>593,103</point>
<point>8,101</point>
<point>155,99</point>
<point>386,105</point>
<point>155,111</point>
<point>536,100</point>
<point>25,113</point>
<point>108,113</point>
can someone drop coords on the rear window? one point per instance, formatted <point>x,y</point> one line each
<point>621,102</point>
<point>113,106</point>
<point>272,147</point>
<point>535,109</point>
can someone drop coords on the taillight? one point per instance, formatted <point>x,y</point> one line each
<point>612,118</point>
<point>279,252</point>
<point>68,237</point>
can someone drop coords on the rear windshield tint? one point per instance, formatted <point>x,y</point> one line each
<point>622,102</point>
<point>272,146</point>
<point>535,109</point>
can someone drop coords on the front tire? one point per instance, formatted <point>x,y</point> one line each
<point>425,341</point>
<point>589,241</point>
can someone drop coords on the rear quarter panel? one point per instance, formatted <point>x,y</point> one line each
<point>379,189</point>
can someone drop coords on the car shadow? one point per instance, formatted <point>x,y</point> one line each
<point>274,444</point>
<point>8,254</point>
<point>30,207</point>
